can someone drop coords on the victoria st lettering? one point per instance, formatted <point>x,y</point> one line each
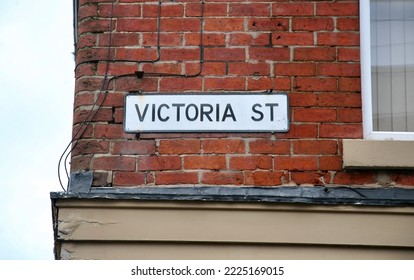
<point>201,112</point>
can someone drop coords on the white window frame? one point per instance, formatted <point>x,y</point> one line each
<point>366,91</point>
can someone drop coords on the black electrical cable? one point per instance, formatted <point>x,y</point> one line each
<point>76,141</point>
<point>139,74</point>
<point>129,60</point>
<point>201,47</point>
<point>158,74</point>
<point>86,121</point>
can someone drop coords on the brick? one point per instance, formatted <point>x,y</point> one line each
<point>260,83</point>
<point>347,24</point>
<point>137,25</point>
<point>349,54</point>
<point>332,163</point>
<point>87,11</point>
<point>222,178</point>
<point>314,54</point>
<point>267,24</point>
<point>127,179</point>
<point>87,54</point>
<point>225,54</point>
<point>87,40</point>
<point>86,131</point>
<point>205,162</point>
<point>140,147</point>
<point>339,100</point>
<point>83,2</point>
<point>250,162</point>
<point>111,131</point>
<point>174,178</point>
<point>315,147</point>
<point>405,178</point>
<point>119,10</point>
<point>275,54</point>
<point>295,163</point>
<point>80,163</point>
<point>88,84</point>
<point>132,83</point>
<point>309,49</point>
<point>299,131</point>
<point>313,178</point>
<point>312,24</point>
<point>172,39</point>
<point>163,67</point>
<point>248,69</point>
<point>339,69</point>
<point>180,24</point>
<point>350,84</point>
<point>101,179</point>
<point>223,146</point>
<point>114,163</point>
<point>92,25</point>
<point>354,178</point>
<point>111,100</point>
<point>119,39</point>
<point>85,98</point>
<point>181,54</point>
<point>84,147</point>
<point>131,1</point>
<point>137,54</point>
<point>251,9</point>
<point>303,99</point>
<point>225,83</point>
<point>295,69</point>
<point>167,10</point>
<point>314,115</point>
<point>292,39</point>
<point>101,115</point>
<point>292,9</point>
<point>153,163</point>
<point>282,84</point>
<point>212,39</point>
<point>341,131</point>
<point>208,68</point>
<point>87,69</point>
<point>264,178</point>
<point>119,115</point>
<point>315,84</point>
<point>350,115</point>
<point>168,135</point>
<point>337,9</point>
<point>264,146</point>
<point>250,39</point>
<point>179,146</point>
<point>180,84</point>
<point>116,68</point>
<point>338,39</point>
<point>224,24</point>
<point>210,9</point>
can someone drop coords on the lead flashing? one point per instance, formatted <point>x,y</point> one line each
<point>344,195</point>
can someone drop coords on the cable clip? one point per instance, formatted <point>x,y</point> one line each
<point>139,74</point>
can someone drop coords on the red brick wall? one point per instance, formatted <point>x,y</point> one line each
<point>309,49</point>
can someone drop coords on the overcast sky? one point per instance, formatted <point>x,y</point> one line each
<point>36,99</point>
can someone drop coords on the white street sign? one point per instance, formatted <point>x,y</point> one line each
<point>206,113</point>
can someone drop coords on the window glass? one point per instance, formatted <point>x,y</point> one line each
<point>392,65</point>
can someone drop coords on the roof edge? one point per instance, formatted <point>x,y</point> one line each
<point>319,195</point>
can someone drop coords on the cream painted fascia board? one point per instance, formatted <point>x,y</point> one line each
<point>358,153</point>
<point>237,224</point>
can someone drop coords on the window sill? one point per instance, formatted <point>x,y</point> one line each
<point>394,154</point>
